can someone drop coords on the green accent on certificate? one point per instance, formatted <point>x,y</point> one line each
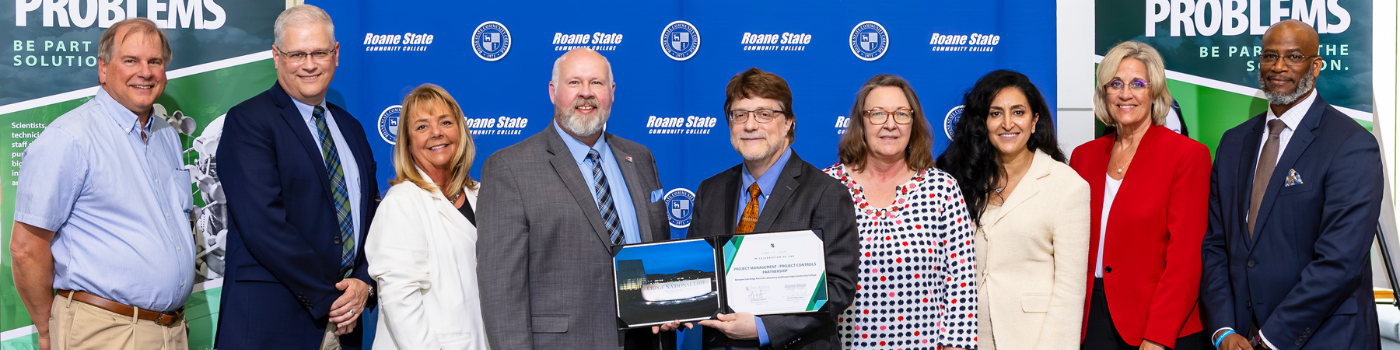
<point>773,273</point>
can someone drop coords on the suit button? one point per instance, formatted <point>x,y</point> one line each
<point>1250,263</point>
<point>1248,304</point>
<point>337,241</point>
<point>1107,269</point>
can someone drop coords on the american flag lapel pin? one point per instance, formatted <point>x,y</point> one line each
<point>629,159</point>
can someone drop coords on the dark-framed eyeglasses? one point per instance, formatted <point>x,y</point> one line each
<point>762,115</point>
<point>298,57</point>
<point>1117,85</point>
<point>878,116</point>
<point>1292,59</point>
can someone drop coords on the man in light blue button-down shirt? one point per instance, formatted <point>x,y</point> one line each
<point>102,208</point>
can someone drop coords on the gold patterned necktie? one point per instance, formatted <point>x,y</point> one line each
<point>750,218</point>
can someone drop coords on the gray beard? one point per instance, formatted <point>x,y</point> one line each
<point>1305,85</point>
<point>574,123</point>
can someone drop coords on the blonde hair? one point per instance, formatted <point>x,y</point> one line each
<point>405,169</point>
<point>1156,80</point>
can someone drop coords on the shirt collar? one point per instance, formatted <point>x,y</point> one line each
<point>577,148</point>
<point>306,109</point>
<point>124,118</point>
<point>769,178</point>
<point>1293,116</point>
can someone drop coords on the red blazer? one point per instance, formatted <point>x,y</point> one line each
<point>1154,234</point>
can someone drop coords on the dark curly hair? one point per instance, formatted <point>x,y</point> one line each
<point>971,159</point>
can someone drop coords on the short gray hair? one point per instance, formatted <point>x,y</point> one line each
<point>107,43</point>
<point>300,15</point>
<point>554,76</point>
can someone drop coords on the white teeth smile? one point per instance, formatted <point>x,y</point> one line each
<point>142,86</point>
<point>1008,135</point>
<point>585,107</point>
<point>434,148</point>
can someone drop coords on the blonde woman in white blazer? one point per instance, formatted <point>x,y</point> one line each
<point>422,241</point>
<point>1032,215</point>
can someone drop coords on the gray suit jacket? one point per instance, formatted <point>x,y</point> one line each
<point>544,256</point>
<point>805,198</point>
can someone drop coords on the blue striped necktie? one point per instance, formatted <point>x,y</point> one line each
<point>339,193</point>
<point>603,195</point>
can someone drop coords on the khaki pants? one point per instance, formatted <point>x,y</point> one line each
<point>74,325</point>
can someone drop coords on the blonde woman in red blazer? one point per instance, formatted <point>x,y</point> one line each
<point>1143,292</point>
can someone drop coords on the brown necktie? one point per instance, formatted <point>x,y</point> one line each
<point>1263,170</point>
<point>750,217</point>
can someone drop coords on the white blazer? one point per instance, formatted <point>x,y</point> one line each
<point>422,252</point>
<point>1031,259</point>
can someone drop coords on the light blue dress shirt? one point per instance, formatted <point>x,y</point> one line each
<point>347,159</point>
<point>622,198</point>
<point>120,206</point>
<point>766,182</point>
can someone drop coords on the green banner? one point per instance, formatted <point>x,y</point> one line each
<point>1211,50</point>
<point>220,57</point>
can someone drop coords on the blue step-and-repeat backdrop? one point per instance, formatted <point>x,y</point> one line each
<point>671,61</point>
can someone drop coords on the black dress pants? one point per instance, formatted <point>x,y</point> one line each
<point>1101,334</point>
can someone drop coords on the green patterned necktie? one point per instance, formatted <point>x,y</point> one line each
<point>338,191</point>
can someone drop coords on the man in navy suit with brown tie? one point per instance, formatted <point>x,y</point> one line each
<point>1295,198</point>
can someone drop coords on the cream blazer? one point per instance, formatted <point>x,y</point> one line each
<point>1031,261</point>
<point>422,252</point>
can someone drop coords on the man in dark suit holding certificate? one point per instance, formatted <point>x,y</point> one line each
<point>554,209</point>
<point>775,190</point>
<point>1294,202</point>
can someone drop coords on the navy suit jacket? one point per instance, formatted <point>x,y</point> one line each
<point>284,248</point>
<point>1305,276</point>
<point>804,198</point>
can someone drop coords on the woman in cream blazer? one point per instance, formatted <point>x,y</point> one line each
<point>422,243</point>
<point>1032,215</point>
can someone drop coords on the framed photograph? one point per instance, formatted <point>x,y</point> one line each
<point>666,281</point>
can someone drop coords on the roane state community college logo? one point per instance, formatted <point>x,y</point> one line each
<point>678,207</point>
<point>491,41</point>
<point>389,124</point>
<point>869,40</point>
<point>680,40</point>
<point>951,120</point>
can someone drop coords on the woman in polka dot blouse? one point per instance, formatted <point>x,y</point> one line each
<point>917,287</point>
<point>1032,212</point>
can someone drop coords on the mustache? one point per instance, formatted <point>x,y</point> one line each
<point>756,135</point>
<point>591,102</point>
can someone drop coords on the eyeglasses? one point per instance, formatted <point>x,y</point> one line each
<point>298,57</point>
<point>1269,59</point>
<point>1117,85</point>
<point>762,115</point>
<point>878,116</point>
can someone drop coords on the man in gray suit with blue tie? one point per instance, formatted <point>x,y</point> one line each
<point>554,209</point>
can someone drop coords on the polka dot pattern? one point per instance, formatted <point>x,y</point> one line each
<point>917,282</point>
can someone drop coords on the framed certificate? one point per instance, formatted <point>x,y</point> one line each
<point>775,273</point>
<point>694,279</point>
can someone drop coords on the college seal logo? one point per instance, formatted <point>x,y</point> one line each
<point>389,124</point>
<point>869,40</point>
<point>680,40</point>
<point>678,207</point>
<point>491,41</point>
